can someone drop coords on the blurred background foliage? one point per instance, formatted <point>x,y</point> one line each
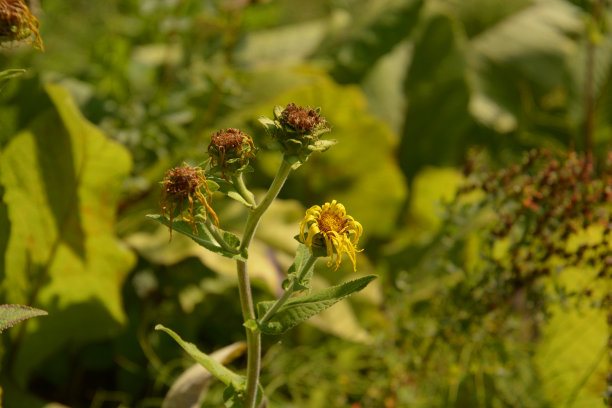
<point>415,91</point>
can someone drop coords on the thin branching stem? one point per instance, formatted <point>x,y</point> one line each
<point>283,299</point>
<point>244,284</point>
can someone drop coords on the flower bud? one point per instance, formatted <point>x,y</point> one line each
<point>230,151</point>
<point>295,131</point>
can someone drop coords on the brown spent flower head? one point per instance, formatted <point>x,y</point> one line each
<point>182,184</point>
<point>231,150</point>
<point>301,119</point>
<point>18,24</point>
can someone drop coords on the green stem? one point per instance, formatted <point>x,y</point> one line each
<point>244,192</point>
<point>244,285</point>
<point>259,210</point>
<point>283,299</point>
<point>214,231</point>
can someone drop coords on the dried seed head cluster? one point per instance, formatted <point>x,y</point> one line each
<point>331,228</point>
<point>302,119</point>
<point>18,25</point>
<point>543,202</point>
<point>185,185</point>
<point>230,150</point>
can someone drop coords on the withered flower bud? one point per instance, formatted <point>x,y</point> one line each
<point>296,130</point>
<point>185,184</point>
<point>230,151</point>
<point>302,119</point>
<point>18,24</point>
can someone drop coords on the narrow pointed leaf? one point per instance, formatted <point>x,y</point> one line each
<point>12,314</point>
<point>203,236</point>
<point>217,369</point>
<point>228,189</point>
<point>298,309</point>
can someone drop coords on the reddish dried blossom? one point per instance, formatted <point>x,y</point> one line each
<point>302,119</point>
<point>231,150</point>
<point>185,184</point>
<point>18,24</point>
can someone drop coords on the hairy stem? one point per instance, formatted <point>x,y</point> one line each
<point>283,299</point>
<point>244,284</point>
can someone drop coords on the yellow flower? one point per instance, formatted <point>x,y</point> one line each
<point>330,227</point>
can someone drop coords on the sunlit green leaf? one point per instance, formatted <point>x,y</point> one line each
<point>12,314</point>
<point>203,236</point>
<point>300,308</point>
<point>214,367</point>
<point>61,181</point>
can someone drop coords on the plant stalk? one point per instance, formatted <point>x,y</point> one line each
<point>244,284</point>
<point>283,299</point>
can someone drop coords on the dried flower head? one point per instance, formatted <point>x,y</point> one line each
<point>185,184</point>
<point>302,119</point>
<point>231,150</point>
<point>18,24</point>
<point>331,228</point>
<point>295,131</point>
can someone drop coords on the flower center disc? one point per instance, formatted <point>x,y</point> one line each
<point>330,222</point>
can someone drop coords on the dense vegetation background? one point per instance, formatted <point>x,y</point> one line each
<point>472,307</point>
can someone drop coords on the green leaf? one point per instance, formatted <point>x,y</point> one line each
<point>217,369</point>
<point>203,236</point>
<point>438,68</point>
<point>572,353</point>
<point>10,73</point>
<point>298,309</point>
<point>11,314</point>
<point>189,389</point>
<point>368,40</point>
<point>302,254</point>
<point>228,189</point>
<point>62,179</point>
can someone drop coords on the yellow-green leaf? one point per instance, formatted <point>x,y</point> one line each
<point>61,180</point>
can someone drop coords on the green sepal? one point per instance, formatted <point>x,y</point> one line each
<point>224,374</point>
<point>204,237</point>
<point>322,145</point>
<point>278,111</point>
<point>228,189</point>
<point>13,314</point>
<point>251,324</point>
<point>318,248</point>
<point>301,308</point>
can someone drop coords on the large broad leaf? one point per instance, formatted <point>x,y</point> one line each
<point>369,38</point>
<point>572,355</point>
<point>524,55</point>
<point>61,181</point>
<point>301,308</point>
<point>437,121</point>
<point>12,314</point>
